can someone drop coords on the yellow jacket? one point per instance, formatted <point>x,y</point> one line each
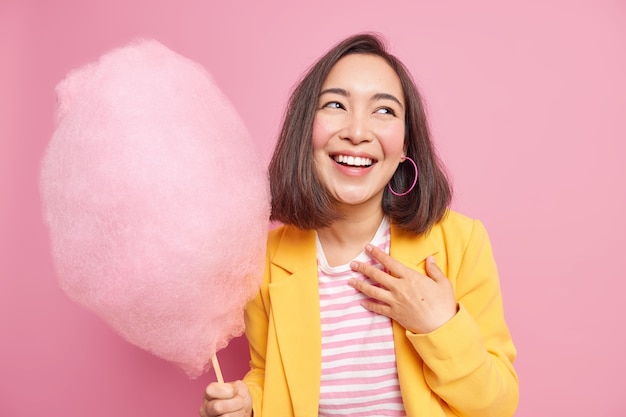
<point>464,368</point>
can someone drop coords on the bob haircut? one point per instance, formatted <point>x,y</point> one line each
<point>298,197</point>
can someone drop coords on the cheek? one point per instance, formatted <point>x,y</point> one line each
<point>320,133</point>
<point>392,139</point>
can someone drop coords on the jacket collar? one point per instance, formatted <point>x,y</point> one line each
<point>296,250</point>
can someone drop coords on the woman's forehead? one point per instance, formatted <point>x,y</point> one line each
<point>364,72</point>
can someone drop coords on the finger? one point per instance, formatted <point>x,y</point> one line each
<point>372,272</point>
<point>371,291</point>
<point>223,407</point>
<point>242,391</point>
<point>395,267</point>
<point>377,307</point>
<point>433,270</point>
<point>219,390</point>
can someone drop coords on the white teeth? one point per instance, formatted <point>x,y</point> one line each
<point>353,160</point>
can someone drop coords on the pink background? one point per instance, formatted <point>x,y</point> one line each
<point>527,104</point>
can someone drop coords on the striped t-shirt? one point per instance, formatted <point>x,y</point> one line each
<point>359,374</point>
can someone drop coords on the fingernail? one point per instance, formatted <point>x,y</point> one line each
<point>369,247</point>
<point>430,259</point>
<point>354,265</point>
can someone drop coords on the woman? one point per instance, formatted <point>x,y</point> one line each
<point>377,299</point>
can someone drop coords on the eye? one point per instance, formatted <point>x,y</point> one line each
<point>385,110</point>
<point>333,105</point>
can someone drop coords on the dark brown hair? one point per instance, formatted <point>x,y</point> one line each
<point>298,197</point>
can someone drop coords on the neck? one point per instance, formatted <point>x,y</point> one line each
<point>345,239</point>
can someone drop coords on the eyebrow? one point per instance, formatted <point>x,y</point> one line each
<point>387,96</point>
<point>377,96</point>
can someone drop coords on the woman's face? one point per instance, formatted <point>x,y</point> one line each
<point>358,130</point>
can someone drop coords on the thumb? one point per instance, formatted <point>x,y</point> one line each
<point>433,270</point>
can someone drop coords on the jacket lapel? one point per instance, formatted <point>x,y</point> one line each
<point>294,296</point>
<point>412,251</point>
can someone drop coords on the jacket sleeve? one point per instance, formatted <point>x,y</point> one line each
<point>468,361</point>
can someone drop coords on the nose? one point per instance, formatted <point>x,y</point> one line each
<point>357,129</point>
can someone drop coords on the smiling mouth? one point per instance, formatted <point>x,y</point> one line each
<point>353,161</point>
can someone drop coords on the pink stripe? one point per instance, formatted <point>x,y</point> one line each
<point>364,395</point>
<point>376,366</point>
<point>342,306</point>
<point>368,413</point>
<point>335,282</point>
<point>360,380</point>
<point>358,328</point>
<point>367,354</point>
<point>349,291</point>
<point>373,407</point>
<point>351,342</point>
<point>380,407</point>
<point>372,412</point>
<point>364,314</point>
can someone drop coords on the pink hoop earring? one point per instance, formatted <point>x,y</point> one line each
<point>414,181</point>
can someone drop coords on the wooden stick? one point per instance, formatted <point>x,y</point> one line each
<point>216,368</point>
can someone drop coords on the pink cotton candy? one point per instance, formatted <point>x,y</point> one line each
<point>156,201</point>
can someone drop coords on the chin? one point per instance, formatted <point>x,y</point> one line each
<point>356,199</point>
